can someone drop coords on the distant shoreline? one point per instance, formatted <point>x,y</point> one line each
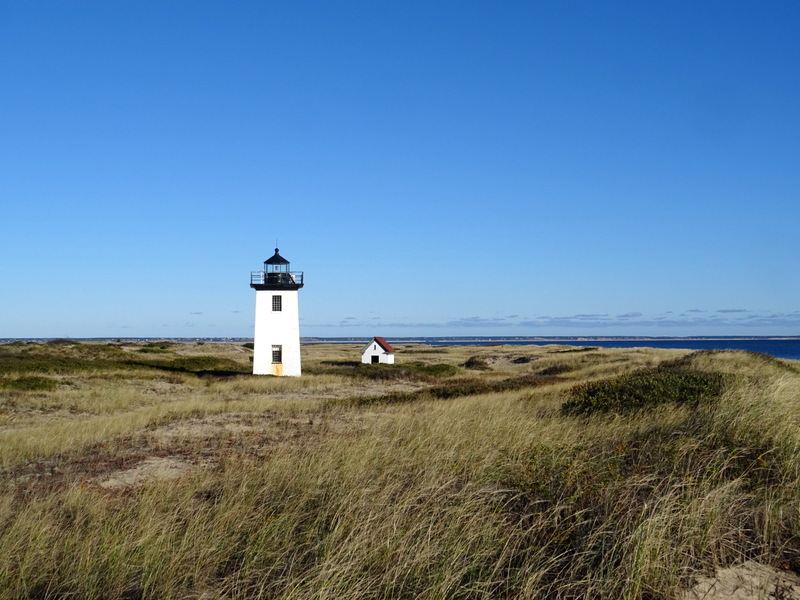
<point>786,347</point>
<point>537,339</point>
<point>425,339</point>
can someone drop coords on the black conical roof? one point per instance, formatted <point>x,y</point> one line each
<point>276,260</point>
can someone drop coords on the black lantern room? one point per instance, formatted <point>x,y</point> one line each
<point>276,275</point>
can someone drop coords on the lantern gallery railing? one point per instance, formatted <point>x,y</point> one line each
<point>262,278</point>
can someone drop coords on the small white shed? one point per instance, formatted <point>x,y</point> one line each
<point>377,351</point>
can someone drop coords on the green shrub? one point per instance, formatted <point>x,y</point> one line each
<point>197,365</point>
<point>42,362</point>
<point>382,372</point>
<point>436,370</point>
<point>29,384</point>
<point>156,348</point>
<point>416,371</point>
<point>477,363</point>
<point>580,349</point>
<point>555,370</point>
<point>62,342</point>
<point>642,389</point>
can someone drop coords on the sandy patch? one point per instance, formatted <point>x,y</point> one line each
<point>175,449</point>
<point>208,439</point>
<point>271,426</point>
<point>146,470</point>
<point>749,581</point>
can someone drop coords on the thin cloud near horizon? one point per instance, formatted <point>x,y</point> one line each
<point>718,318</point>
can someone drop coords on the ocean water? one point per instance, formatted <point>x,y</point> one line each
<point>779,348</point>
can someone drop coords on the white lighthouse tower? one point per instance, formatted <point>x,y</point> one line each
<point>277,333</point>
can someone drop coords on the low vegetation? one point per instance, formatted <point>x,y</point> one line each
<point>645,388</point>
<point>139,471</point>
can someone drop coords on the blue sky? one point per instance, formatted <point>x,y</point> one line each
<point>435,168</point>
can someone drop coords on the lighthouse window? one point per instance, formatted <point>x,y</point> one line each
<point>277,354</point>
<point>276,302</point>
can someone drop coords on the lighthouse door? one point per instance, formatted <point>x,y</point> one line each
<point>277,360</point>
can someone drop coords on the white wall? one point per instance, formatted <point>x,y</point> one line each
<point>279,328</point>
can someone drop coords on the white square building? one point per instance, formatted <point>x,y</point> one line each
<point>378,351</point>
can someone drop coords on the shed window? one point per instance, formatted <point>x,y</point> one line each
<point>277,303</point>
<point>277,354</point>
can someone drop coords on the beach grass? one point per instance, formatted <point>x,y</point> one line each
<point>460,472</point>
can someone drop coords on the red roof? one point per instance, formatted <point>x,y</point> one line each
<point>384,344</point>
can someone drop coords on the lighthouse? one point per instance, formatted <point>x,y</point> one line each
<point>277,333</point>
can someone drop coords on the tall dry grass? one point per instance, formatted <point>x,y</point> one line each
<point>495,494</point>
